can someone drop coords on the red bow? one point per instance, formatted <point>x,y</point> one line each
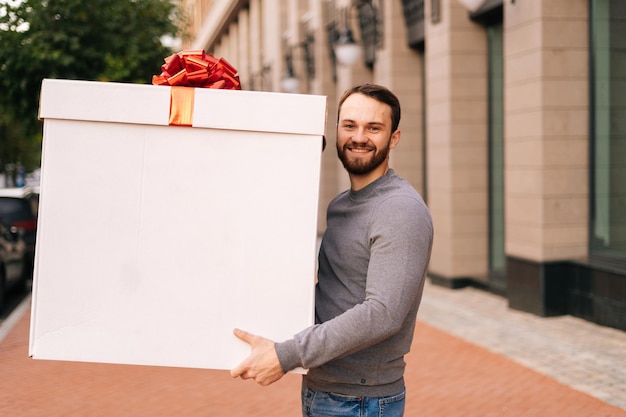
<point>196,68</point>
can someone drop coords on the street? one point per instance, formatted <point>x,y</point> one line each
<point>13,299</point>
<point>472,357</point>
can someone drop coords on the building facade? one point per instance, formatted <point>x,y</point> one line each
<point>513,126</point>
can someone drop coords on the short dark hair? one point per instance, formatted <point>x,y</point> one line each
<point>379,93</point>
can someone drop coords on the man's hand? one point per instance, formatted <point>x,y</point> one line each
<point>262,364</point>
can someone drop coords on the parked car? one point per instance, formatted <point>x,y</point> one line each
<point>13,261</point>
<point>18,210</point>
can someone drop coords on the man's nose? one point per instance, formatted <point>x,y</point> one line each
<point>360,135</point>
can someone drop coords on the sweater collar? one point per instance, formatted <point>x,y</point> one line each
<point>371,187</point>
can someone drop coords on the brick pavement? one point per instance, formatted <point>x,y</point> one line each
<point>580,354</point>
<point>446,376</point>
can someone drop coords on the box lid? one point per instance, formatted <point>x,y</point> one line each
<point>215,109</point>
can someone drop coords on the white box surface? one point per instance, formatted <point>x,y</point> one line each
<point>155,241</point>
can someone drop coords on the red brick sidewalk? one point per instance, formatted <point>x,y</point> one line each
<point>446,376</point>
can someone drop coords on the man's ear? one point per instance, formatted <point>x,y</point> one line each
<point>395,139</point>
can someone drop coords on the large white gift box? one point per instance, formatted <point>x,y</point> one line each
<point>155,241</point>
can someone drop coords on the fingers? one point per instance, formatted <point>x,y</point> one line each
<point>239,371</point>
<point>242,369</point>
<point>243,335</point>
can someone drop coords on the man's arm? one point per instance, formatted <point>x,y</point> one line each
<point>389,299</point>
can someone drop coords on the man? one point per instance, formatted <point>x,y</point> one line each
<point>372,265</point>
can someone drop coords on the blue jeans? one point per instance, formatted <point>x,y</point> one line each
<point>328,404</point>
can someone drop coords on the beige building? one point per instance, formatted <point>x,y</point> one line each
<point>512,127</point>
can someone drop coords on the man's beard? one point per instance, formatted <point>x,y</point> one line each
<point>362,166</point>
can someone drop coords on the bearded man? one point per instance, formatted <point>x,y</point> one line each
<point>372,266</point>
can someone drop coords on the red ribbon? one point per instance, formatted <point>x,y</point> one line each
<point>181,106</point>
<point>196,68</point>
<point>193,68</point>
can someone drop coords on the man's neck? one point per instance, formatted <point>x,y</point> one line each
<point>358,182</point>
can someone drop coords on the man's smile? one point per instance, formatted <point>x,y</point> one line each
<point>359,148</point>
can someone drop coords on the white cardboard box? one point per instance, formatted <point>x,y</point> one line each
<point>155,241</point>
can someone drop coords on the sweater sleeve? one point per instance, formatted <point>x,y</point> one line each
<point>400,239</point>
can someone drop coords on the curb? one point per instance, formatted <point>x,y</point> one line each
<point>7,325</point>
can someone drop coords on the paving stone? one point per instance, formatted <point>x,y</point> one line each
<point>471,357</point>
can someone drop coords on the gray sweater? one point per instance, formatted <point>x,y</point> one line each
<point>372,265</point>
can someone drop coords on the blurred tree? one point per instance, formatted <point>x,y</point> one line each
<point>98,40</point>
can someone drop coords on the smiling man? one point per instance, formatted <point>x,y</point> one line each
<point>372,265</point>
